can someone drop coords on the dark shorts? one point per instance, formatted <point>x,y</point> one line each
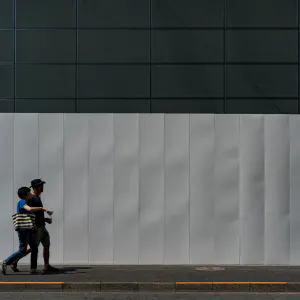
<point>43,236</point>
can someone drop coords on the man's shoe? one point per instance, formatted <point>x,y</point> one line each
<point>50,269</point>
<point>34,271</point>
<point>3,267</point>
<point>14,267</point>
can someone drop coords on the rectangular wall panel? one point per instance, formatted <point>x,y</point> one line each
<point>201,189</point>
<point>151,232</point>
<point>51,171</point>
<point>252,189</point>
<point>76,193</point>
<point>226,190</point>
<point>157,189</point>
<point>8,193</point>
<point>101,188</point>
<point>294,189</point>
<point>176,189</point>
<point>277,190</point>
<point>126,188</point>
<point>26,159</point>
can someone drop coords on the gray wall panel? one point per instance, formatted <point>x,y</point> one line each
<point>158,189</point>
<point>6,81</point>
<point>187,81</point>
<point>116,46</point>
<point>50,164</point>
<point>101,189</point>
<point>197,106</point>
<point>50,46</point>
<point>257,13</point>
<point>51,81</point>
<point>262,81</point>
<point>26,157</point>
<point>7,179</point>
<point>252,189</point>
<point>7,106</point>
<point>46,105</point>
<point>202,150</point>
<point>184,46</point>
<point>277,190</point>
<point>226,190</point>
<point>126,189</point>
<point>262,106</point>
<point>294,125</point>
<point>76,187</point>
<point>177,200</point>
<point>262,46</point>
<point>6,14</point>
<point>7,49</point>
<point>114,13</point>
<point>113,81</point>
<point>152,189</point>
<point>114,105</point>
<point>46,13</point>
<point>187,13</point>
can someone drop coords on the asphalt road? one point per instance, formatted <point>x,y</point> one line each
<point>148,296</point>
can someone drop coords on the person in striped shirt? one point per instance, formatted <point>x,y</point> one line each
<point>26,236</point>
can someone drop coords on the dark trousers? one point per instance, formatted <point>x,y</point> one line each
<point>26,237</point>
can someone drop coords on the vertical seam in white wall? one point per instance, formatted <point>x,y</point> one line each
<point>38,146</point>
<point>113,205</point>
<point>38,143</point>
<point>239,186</point>
<point>15,52</point>
<point>289,133</point>
<point>63,190</point>
<point>164,169</point>
<point>14,171</point>
<point>264,185</point>
<point>139,185</point>
<point>189,191</point>
<point>15,88</point>
<point>88,186</point>
<point>214,183</point>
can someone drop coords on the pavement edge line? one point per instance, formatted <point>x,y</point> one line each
<point>31,283</point>
<point>229,282</point>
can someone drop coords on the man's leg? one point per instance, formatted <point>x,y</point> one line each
<point>45,240</point>
<point>34,252</point>
<point>46,257</point>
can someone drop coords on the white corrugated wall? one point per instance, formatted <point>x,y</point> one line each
<point>157,189</point>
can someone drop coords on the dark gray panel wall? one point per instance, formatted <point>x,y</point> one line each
<point>160,56</point>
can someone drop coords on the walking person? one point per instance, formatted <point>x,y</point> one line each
<point>40,221</point>
<point>25,227</point>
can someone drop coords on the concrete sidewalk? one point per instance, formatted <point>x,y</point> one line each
<point>158,278</point>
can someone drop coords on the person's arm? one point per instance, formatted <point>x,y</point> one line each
<point>34,209</point>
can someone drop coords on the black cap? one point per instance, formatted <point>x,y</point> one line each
<point>36,182</point>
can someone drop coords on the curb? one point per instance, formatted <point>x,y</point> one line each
<point>200,287</point>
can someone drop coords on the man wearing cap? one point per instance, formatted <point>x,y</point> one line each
<point>40,221</point>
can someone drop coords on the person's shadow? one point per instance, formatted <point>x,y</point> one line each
<point>70,270</point>
<point>61,271</point>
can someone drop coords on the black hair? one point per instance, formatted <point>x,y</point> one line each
<point>23,191</point>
